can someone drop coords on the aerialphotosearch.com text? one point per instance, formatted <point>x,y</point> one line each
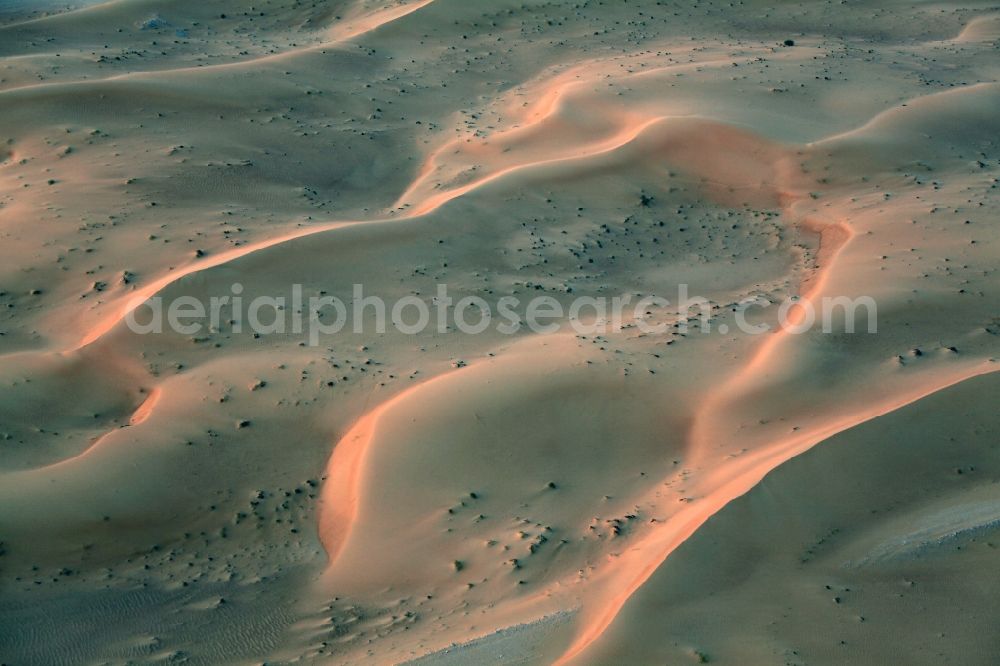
<point>321,315</point>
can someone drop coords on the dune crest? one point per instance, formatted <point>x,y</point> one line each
<point>763,242</point>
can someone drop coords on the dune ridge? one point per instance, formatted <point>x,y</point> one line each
<point>439,496</point>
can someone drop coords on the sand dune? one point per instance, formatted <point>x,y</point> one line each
<point>818,532</point>
<point>698,493</point>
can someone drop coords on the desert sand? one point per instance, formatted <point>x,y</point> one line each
<point>697,494</point>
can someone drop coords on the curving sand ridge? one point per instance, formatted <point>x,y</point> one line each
<point>572,497</point>
<point>711,431</point>
<point>619,141</point>
<point>357,24</point>
<point>823,552</point>
<point>674,140</point>
<point>723,485</point>
<point>981,28</point>
<point>725,480</point>
<point>342,490</point>
<point>728,479</point>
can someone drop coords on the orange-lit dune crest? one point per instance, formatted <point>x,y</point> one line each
<point>441,332</point>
